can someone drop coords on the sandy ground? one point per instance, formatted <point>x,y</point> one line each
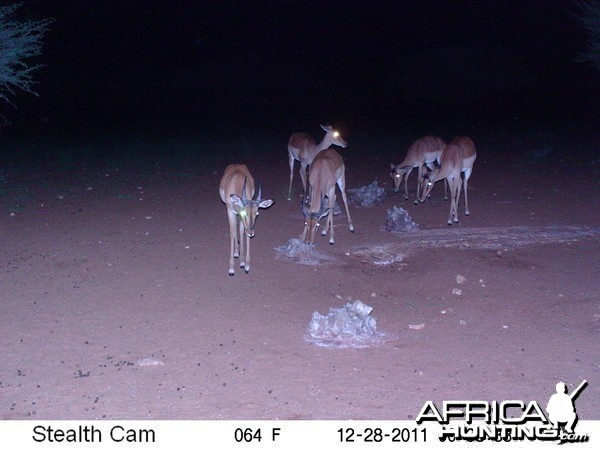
<point>115,302</point>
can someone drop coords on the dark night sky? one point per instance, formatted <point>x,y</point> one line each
<point>287,64</point>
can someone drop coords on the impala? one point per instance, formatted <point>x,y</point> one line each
<point>302,147</point>
<point>458,157</point>
<point>326,170</point>
<point>237,192</point>
<point>423,152</point>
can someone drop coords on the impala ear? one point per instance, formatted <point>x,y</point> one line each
<point>236,201</point>
<point>326,128</point>
<point>324,213</point>
<point>392,166</point>
<point>304,208</point>
<point>265,203</point>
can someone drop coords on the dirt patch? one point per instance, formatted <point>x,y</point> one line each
<point>116,301</point>
<point>507,238</point>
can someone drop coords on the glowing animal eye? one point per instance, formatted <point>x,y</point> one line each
<point>429,183</point>
<point>318,224</point>
<point>397,175</point>
<point>336,134</point>
<point>243,213</point>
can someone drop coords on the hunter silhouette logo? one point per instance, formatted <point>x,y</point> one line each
<point>561,407</point>
<point>508,420</point>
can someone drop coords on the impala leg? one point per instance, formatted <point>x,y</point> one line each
<point>467,175</point>
<point>303,175</point>
<point>452,183</point>
<point>329,225</point>
<point>233,240</point>
<point>406,183</point>
<point>247,266</point>
<point>325,227</point>
<point>342,186</point>
<point>445,189</point>
<point>328,221</point>
<point>457,198</point>
<point>242,240</point>
<point>451,202</point>
<point>419,177</point>
<point>292,160</point>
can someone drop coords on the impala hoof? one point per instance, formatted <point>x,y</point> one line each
<point>467,213</point>
<point>231,273</point>
<point>351,229</point>
<point>416,202</point>
<point>331,242</point>
<point>449,223</point>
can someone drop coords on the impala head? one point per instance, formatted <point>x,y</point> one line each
<point>426,184</point>
<point>396,174</point>
<point>247,209</point>
<point>311,219</point>
<point>334,136</point>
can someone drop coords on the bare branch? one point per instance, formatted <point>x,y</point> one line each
<point>19,42</point>
<point>589,18</point>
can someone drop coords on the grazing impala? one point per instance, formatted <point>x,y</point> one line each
<point>326,170</point>
<point>237,192</point>
<point>423,152</point>
<point>303,148</point>
<point>458,157</point>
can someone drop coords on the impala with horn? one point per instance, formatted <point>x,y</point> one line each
<point>302,147</point>
<point>422,153</point>
<point>237,192</point>
<point>326,170</point>
<point>458,157</point>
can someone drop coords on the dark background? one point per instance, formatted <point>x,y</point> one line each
<point>178,67</point>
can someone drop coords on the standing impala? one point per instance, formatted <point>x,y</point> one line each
<point>458,157</point>
<point>423,152</point>
<point>326,170</point>
<point>302,147</point>
<point>237,192</point>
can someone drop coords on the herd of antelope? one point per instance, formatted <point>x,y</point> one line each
<point>431,156</point>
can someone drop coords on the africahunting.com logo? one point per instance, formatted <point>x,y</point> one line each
<point>510,420</point>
